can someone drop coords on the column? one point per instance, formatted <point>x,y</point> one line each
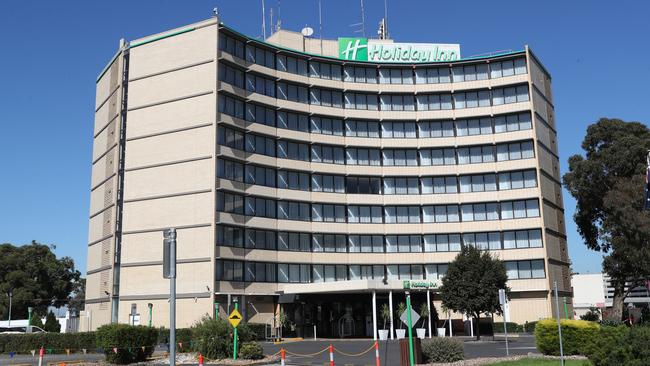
<point>429,305</point>
<point>374,315</point>
<point>390,305</point>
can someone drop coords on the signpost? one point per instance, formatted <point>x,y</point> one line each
<point>503,300</point>
<point>559,326</point>
<point>234,318</point>
<point>169,271</point>
<point>410,314</point>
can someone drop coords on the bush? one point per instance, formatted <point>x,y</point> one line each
<point>51,324</point>
<point>251,351</point>
<point>442,350</point>
<point>129,341</point>
<point>52,342</point>
<point>258,330</point>
<point>510,326</point>
<point>576,336</point>
<point>601,346</point>
<point>213,337</point>
<point>183,335</point>
<point>529,327</point>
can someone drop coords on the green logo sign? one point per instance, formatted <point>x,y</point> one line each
<point>363,49</point>
<point>418,284</point>
<point>353,49</point>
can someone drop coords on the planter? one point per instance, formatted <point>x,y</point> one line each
<point>441,332</point>
<point>401,333</point>
<point>421,332</point>
<point>383,334</point>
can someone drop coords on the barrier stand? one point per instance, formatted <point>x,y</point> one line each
<point>282,355</point>
<point>377,353</point>
<point>331,355</point>
<point>41,352</point>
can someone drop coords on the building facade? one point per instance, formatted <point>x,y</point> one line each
<point>303,181</point>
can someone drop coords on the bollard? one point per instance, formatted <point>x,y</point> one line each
<point>41,352</point>
<point>200,360</point>
<point>377,353</point>
<point>282,355</point>
<point>331,355</point>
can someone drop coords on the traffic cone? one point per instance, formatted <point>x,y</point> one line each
<point>377,353</point>
<point>282,356</point>
<point>41,352</point>
<point>200,360</point>
<point>331,355</point>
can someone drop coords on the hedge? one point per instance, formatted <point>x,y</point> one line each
<point>183,335</point>
<point>258,330</point>
<point>577,335</point>
<point>251,351</point>
<point>441,349</point>
<point>510,326</point>
<point>133,343</point>
<point>52,342</point>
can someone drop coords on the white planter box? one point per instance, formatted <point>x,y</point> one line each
<point>422,332</point>
<point>401,333</point>
<point>441,332</point>
<point>383,334</point>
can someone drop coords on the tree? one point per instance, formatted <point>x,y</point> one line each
<point>51,324</point>
<point>78,300</point>
<point>607,184</point>
<point>472,283</point>
<point>592,315</point>
<point>37,277</point>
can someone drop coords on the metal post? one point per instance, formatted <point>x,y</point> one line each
<point>234,344</point>
<point>150,305</point>
<point>30,310</point>
<point>169,271</point>
<point>410,325</point>
<point>429,305</point>
<point>11,296</point>
<point>559,327</point>
<point>216,310</point>
<point>374,315</point>
<point>505,330</point>
<point>566,309</point>
<point>503,301</point>
<point>390,305</point>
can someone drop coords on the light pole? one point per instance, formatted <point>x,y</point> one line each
<point>10,292</point>
<point>150,305</point>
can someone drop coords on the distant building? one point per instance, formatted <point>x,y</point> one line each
<point>595,290</point>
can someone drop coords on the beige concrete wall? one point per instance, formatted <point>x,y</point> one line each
<point>188,311</point>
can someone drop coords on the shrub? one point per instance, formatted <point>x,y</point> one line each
<point>52,342</point>
<point>183,335</point>
<point>129,341</point>
<point>258,330</point>
<point>213,337</point>
<point>609,337</point>
<point>442,350</point>
<point>51,324</point>
<point>529,327</point>
<point>251,351</point>
<point>510,326</point>
<point>593,315</point>
<point>576,336</point>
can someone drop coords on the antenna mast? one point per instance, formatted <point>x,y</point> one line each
<point>263,22</point>
<point>363,21</point>
<point>320,25</point>
<point>386,36</point>
<point>279,24</point>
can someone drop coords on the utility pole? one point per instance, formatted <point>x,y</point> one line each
<point>10,292</point>
<point>410,325</point>
<point>169,271</point>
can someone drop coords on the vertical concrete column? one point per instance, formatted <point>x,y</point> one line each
<point>390,306</point>
<point>374,315</point>
<point>429,305</point>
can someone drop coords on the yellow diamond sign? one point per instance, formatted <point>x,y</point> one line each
<point>234,318</point>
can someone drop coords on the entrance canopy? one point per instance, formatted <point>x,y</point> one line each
<point>357,286</point>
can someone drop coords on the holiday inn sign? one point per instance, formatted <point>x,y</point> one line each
<point>363,49</point>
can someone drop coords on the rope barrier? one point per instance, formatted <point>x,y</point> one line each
<point>355,354</point>
<point>309,354</point>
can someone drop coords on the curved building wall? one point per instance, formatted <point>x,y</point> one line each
<point>289,173</point>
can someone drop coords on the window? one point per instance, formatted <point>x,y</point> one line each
<point>510,95</point>
<point>361,101</point>
<point>327,154</point>
<point>326,126</point>
<point>260,85</point>
<point>512,122</point>
<point>515,151</point>
<point>473,127</point>
<point>230,170</point>
<point>230,203</point>
<point>517,179</point>
<point>231,106</point>
<point>432,75</point>
<point>507,68</point>
<point>293,121</point>
<point>525,269</point>
<point>361,128</point>
<point>293,180</point>
<point>230,45</point>
<point>260,56</point>
<point>395,76</point>
<point>356,156</point>
<point>475,154</point>
<point>519,209</point>
<point>230,236</point>
<point>324,70</point>
<point>363,185</point>
<point>478,183</point>
<point>480,212</point>
<point>260,175</point>
<point>360,74</point>
<point>260,114</point>
<point>325,97</point>
<point>292,65</point>
<point>288,210</point>
<point>327,183</point>
<point>231,75</point>
<point>436,129</point>
<point>398,130</point>
<point>260,144</point>
<point>292,150</point>
<point>291,92</point>
<point>432,102</point>
<point>399,157</point>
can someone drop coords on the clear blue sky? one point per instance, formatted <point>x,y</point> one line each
<point>597,52</point>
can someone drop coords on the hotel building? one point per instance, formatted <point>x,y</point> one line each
<point>320,177</point>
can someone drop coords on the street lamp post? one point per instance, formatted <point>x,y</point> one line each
<point>10,292</point>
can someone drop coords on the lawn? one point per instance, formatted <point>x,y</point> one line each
<point>541,362</point>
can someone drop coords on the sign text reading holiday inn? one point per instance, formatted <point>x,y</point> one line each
<point>363,49</point>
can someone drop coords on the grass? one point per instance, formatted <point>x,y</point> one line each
<point>541,362</point>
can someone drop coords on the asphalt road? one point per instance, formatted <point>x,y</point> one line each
<point>303,352</point>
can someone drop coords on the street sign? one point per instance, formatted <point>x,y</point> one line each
<point>234,318</point>
<point>502,297</point>
<point>414,317</point>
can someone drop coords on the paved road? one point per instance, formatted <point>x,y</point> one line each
<point>297,351</point>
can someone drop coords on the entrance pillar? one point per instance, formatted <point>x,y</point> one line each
<point>390,305</point>
<point>374,315</point>
<point>429,305</point>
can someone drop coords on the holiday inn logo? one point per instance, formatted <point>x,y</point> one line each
<point>353,49</point>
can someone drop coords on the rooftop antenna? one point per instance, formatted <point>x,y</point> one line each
<point>263,21</point>
<point>271,20</point>
<point>279,23</point>
<point>320,26</point>
<point>362,24</point>
<point>386,19</point>
<point>215,12</point>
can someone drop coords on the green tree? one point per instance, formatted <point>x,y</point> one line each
<point>472,283</point>
<point>78,299</point>
<point>51,324</point>
<point>37,278</point>
<point>36,320</point>
<point>607,184</point>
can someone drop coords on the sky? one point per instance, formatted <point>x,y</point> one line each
<point>596,51</point>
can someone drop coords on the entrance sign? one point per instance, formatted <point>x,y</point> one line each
<point>414,317</point>
<point>234,318</point>
<point>363,49</point>
<point>419,285</point>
